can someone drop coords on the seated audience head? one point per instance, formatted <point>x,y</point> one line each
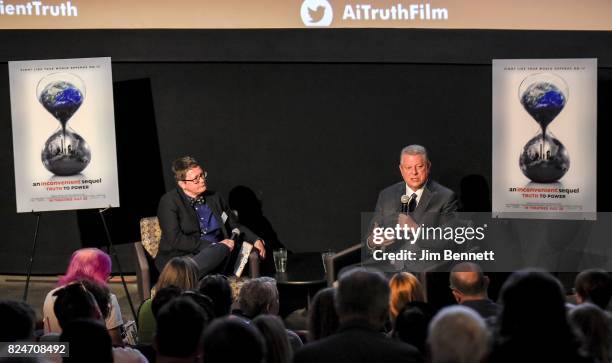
<point>180,325</point>
<point>410,326</point>
<point>88,264</point>
<point>181,272</point>
<point>322,317</point>
<point>171,292</point>
<point>221,337</point>
<point>218,289</point>
<point>164,296</point>
<point>81,300</point>
<point>594,286</point>
<point>533,304</point>
<point>18,320</point>
<point>276,301</point>
<point>458,334</point>
<point>202,301</point>
<point>275,337</point>
<point>468,282</point>
<point>189,176</point>
<point>362,295</point>
<point>593,326</point>
<point>89,341</point>
<point>533,321</point>
<point>405,288</point>
<point>258,296</point>
<point>101,294</point>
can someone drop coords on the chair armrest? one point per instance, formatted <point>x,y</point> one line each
<point>348,251</point>
<point>142,272</point>
<point>330,268</point>
<point>254,264</point>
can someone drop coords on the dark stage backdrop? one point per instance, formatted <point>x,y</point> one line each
<point>310,121</point>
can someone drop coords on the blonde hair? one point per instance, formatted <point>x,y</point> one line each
<point>181,272</point>
<point>405,288</point>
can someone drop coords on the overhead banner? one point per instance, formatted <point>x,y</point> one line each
<point>545,138</point>
<point>63,134</point>
<point>279,14</point>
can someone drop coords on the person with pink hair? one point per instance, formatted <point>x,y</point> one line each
<point>89,264</point>
<point>86,264</point>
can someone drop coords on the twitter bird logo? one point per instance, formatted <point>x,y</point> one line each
<point>316,13</point>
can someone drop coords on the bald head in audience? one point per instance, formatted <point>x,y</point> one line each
<point>469,287</point>
<point>468,282</point>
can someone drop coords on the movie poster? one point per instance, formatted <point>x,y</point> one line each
<point>544,138</point>
<point>63,134</point>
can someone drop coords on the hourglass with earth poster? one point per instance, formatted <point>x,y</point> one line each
<point>544,159</point>
<point>65,152</point>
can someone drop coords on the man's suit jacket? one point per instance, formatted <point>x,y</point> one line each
<point>435,208</point>
<point>485,307</point>
<point>180,227</point>
<point>355,342</point>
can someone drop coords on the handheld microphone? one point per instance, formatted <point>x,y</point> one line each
<point>405,199</point>
<point>235,234</point>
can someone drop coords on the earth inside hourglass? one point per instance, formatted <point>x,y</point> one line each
<point>544,159</point>
<point>65,152</point>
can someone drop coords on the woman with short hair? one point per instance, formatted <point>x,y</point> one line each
<point>94,265</point>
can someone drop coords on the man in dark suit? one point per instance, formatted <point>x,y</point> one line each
<point>416,201</point>
<point>362,303</point>
<point>469,287</point>
<point>197,222</point>
<point>427,203</point>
